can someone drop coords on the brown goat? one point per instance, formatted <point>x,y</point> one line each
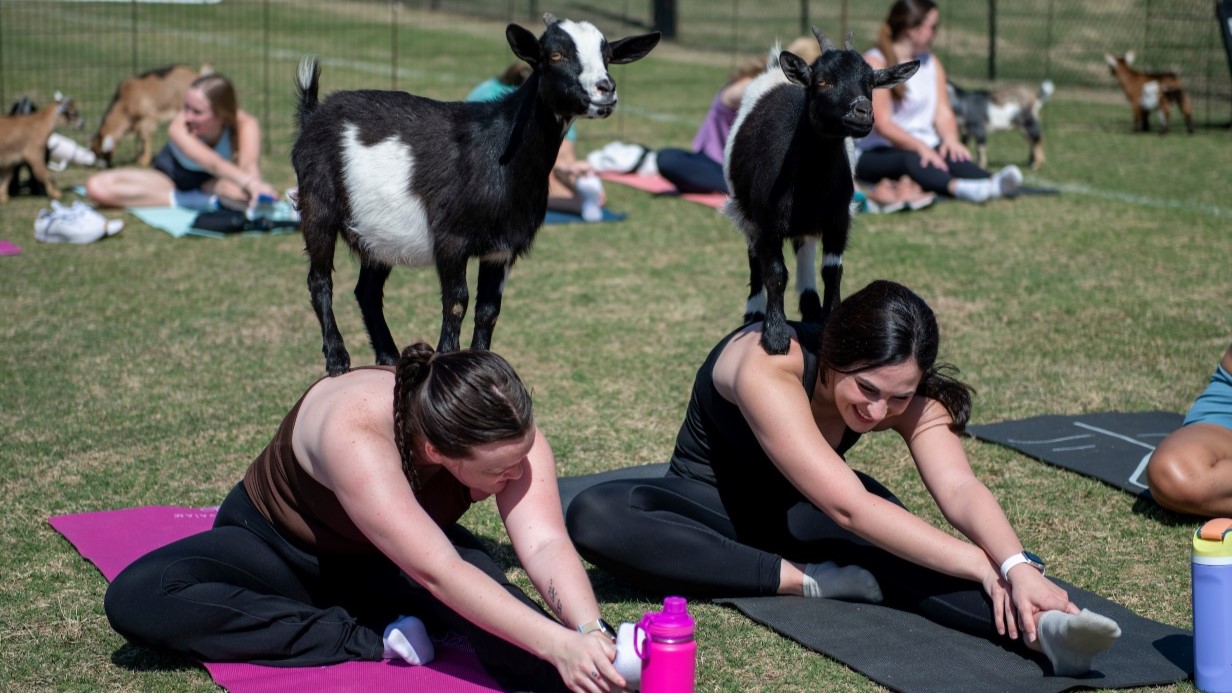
<point>1148,91</point>
<point>140,105</point>
<point>23,140</point>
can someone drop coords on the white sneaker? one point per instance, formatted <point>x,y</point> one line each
<point>79,224</point>
<point>1008,181</point>
<point>64,151</point>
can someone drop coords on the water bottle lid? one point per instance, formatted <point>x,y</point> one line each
<point>673,622</point>
<point>1214,539</point>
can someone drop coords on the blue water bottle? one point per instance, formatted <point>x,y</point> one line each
<point>1212,606</point>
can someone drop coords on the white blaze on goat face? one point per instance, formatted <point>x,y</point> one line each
<point>391,222</point>
<point>588,42</point>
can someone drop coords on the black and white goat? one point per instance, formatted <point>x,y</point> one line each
<point>407,180</point>
<point>789,174</point>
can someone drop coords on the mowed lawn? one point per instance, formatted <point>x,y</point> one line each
<point>145,370</point>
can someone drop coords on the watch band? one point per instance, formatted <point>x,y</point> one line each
<point>597,625</point>
<point>1023,557</point>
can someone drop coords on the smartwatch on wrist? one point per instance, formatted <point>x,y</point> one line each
<point>1024,557</point>
<point>597,625</point>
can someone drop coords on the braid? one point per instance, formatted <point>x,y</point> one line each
<point>412,370</point>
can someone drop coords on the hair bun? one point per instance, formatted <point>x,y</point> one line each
<point>418,353</point>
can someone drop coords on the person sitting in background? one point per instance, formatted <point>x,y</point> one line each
<point>1191,470</point>
<point>212,158</point>
<point>914,131</point>
<point>573,186</point>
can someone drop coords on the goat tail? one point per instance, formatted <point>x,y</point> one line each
<point>772,60</point>
<point>307,82</point>
<point>1045,91</point>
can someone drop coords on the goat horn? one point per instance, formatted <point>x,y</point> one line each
<point>822,40</point>
<point>847,40</point>
<point>549,19</point>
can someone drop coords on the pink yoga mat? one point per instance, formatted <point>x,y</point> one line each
<point>9,248</point>
<point>659,185</point>
<point>113,539</point>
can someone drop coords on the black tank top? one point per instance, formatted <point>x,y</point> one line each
<point>717,446</point>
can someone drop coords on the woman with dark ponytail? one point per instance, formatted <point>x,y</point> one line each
<point>342,543</point>
<point>759,501</point>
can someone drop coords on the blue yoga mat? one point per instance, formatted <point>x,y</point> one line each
<point>177,221</point>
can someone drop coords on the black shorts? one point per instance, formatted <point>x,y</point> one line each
<point>183,178</point>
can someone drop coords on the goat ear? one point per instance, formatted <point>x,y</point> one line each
<point>524,44</point>
<point>1110,59</point>
<point>58,96</point>
<point>1129,57</point>
<point>895,74</point>
<point>631,48</point>
<point>795,69</point>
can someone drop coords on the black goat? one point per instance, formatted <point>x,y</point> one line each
<point>407,180</point>
<point>788,171</point>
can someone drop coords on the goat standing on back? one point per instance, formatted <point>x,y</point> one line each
<point>787,167</point>
<point>407,180</point>
<point>1148,91</point>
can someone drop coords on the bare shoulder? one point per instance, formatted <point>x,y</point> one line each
<point>874,59</point>
<point>353,409</point>
<point>744,362</point>
<point>924,414</point>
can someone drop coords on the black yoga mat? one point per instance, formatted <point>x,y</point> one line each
<point>1111,446</point>
<point>906,652</point>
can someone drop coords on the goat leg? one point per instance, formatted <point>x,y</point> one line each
<point>806,279</point>
<point>755,308</point>
<point>454,300</point>
<point>492,274</point>
<point>321,290</point>
<point>774,336</point>
<point>38,168</point>
<point>370,293</point>
<point>6,174</point>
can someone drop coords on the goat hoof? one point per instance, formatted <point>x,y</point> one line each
<point>774,344</point>
<point>337,365</point>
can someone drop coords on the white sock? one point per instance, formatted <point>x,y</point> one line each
<point>1071,641</point>
<point>974,189</point>
<point>407,639</point>
<point>846,582</point>
<point>194,199</point>
<point>590,189</point>
<point>1007,181</point>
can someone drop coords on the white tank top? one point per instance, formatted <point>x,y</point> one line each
<point>917,110</point>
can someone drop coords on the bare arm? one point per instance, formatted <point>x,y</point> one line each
<point>971,508</point>
<point>240,179</point>
<point>943,120</point>
<point>530,508</point>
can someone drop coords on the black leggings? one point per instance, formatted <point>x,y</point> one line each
<point>691,172</point>
<point>241,593</point>
<point>676,535</point>
<point>888,162</point>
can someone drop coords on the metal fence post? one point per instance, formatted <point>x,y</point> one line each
<point>992,40</point>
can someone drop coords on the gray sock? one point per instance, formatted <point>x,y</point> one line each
<point>846,582</point>
<point>1071,641</point>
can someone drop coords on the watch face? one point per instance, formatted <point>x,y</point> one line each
<point>1033,558</point>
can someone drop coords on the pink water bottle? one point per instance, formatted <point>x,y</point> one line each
<point>668,651</point>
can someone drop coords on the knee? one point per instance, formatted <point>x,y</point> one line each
<point>589,520</point>
<point>1175,482</point>
<point>128,603</point>
<point>98,190</point>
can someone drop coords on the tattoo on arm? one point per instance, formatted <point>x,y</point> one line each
<point>554,599</point>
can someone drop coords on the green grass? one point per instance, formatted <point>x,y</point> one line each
<point>147,370</point>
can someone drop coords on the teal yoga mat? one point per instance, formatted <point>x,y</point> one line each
<point>177,221</point>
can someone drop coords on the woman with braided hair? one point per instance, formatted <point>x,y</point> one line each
<point>342,543</point>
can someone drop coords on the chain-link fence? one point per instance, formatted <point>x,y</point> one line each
<point>440,48</point>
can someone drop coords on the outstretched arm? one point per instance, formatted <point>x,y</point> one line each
<point>530,508</point>
<point>971,508</point>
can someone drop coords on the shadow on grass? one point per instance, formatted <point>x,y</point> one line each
<point>1145,506</point>
<point>136,658</point>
